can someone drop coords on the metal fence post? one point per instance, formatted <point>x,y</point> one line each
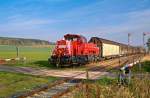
<point>129,77</point>
<point>140,65</point>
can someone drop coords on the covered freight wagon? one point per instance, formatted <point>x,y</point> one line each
<point>107,48</point>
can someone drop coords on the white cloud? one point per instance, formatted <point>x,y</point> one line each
<point>19,23</point>
<point>135,22</point>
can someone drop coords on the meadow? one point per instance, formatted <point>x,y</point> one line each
<point>31,53</point>
<point>35,56</point>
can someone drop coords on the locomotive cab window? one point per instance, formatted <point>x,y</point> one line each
<point>71,38</point>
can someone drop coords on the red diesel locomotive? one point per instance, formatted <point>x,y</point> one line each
<point>74,49</point>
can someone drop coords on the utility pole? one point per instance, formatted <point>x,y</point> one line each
<point>129,74</point>
<point>119,55</point>
<point>129,36</point>
<point>144,34</point>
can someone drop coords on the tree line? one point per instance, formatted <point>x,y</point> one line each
<point>23,42</point>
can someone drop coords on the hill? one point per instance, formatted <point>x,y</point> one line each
<point>23,42</point>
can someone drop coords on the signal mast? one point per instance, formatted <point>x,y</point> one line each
<point>144,35</point>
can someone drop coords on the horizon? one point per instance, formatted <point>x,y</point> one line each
<point>112,20</point>
<point>55,42</point>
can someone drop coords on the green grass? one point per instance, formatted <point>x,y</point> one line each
<point>139,88</point>
<point>12,83</point>
<point>31,53</point>
<point>106,81</point>
<point>35,56</point>
<point>145,67</point>
<point>109,88</point>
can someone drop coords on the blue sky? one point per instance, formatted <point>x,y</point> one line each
<point>51,19</point>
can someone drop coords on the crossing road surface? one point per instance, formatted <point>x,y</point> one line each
<point>55,73</point>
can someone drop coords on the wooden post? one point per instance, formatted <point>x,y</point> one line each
<point>87,87</point>
<point>140,65</point>
<point>119,56</point>
<point>17,51</point>
<point>133,60</point>
<point>87,75</point>
<point>129,76</point>
<point>129,35</point>
<point>119,61</point>
<point>87,90</point>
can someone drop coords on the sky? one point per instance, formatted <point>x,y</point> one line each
<point>51,19</point>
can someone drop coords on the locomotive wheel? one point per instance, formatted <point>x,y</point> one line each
<point>58,63</point>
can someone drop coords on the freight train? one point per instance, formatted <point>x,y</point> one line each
<point>75,49</point>
<point>111,49</point>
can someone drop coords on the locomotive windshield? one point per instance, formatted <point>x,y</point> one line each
<point>70,37</point>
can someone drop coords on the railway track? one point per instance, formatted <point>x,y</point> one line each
<point>105,65</point>
<point>62,88</point>
<point>55,91</point>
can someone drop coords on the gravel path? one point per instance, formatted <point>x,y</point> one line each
<point>55,73</point>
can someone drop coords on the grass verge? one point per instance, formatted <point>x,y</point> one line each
<point>11,83</point>
<point>108,88</point>
<point>145,67</point>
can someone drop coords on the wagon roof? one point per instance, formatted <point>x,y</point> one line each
<point>108,41</point>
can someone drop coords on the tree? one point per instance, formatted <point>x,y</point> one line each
<point>148,45</point>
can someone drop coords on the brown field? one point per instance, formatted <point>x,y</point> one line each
<point>146,58</point>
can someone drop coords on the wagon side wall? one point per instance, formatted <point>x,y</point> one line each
<point>110,50</point>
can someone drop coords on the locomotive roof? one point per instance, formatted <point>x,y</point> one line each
<point>76,35</point>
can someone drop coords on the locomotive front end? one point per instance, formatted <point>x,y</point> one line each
<point>61,54</point>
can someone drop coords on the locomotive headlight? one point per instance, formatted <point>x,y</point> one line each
<point>62,46</point>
